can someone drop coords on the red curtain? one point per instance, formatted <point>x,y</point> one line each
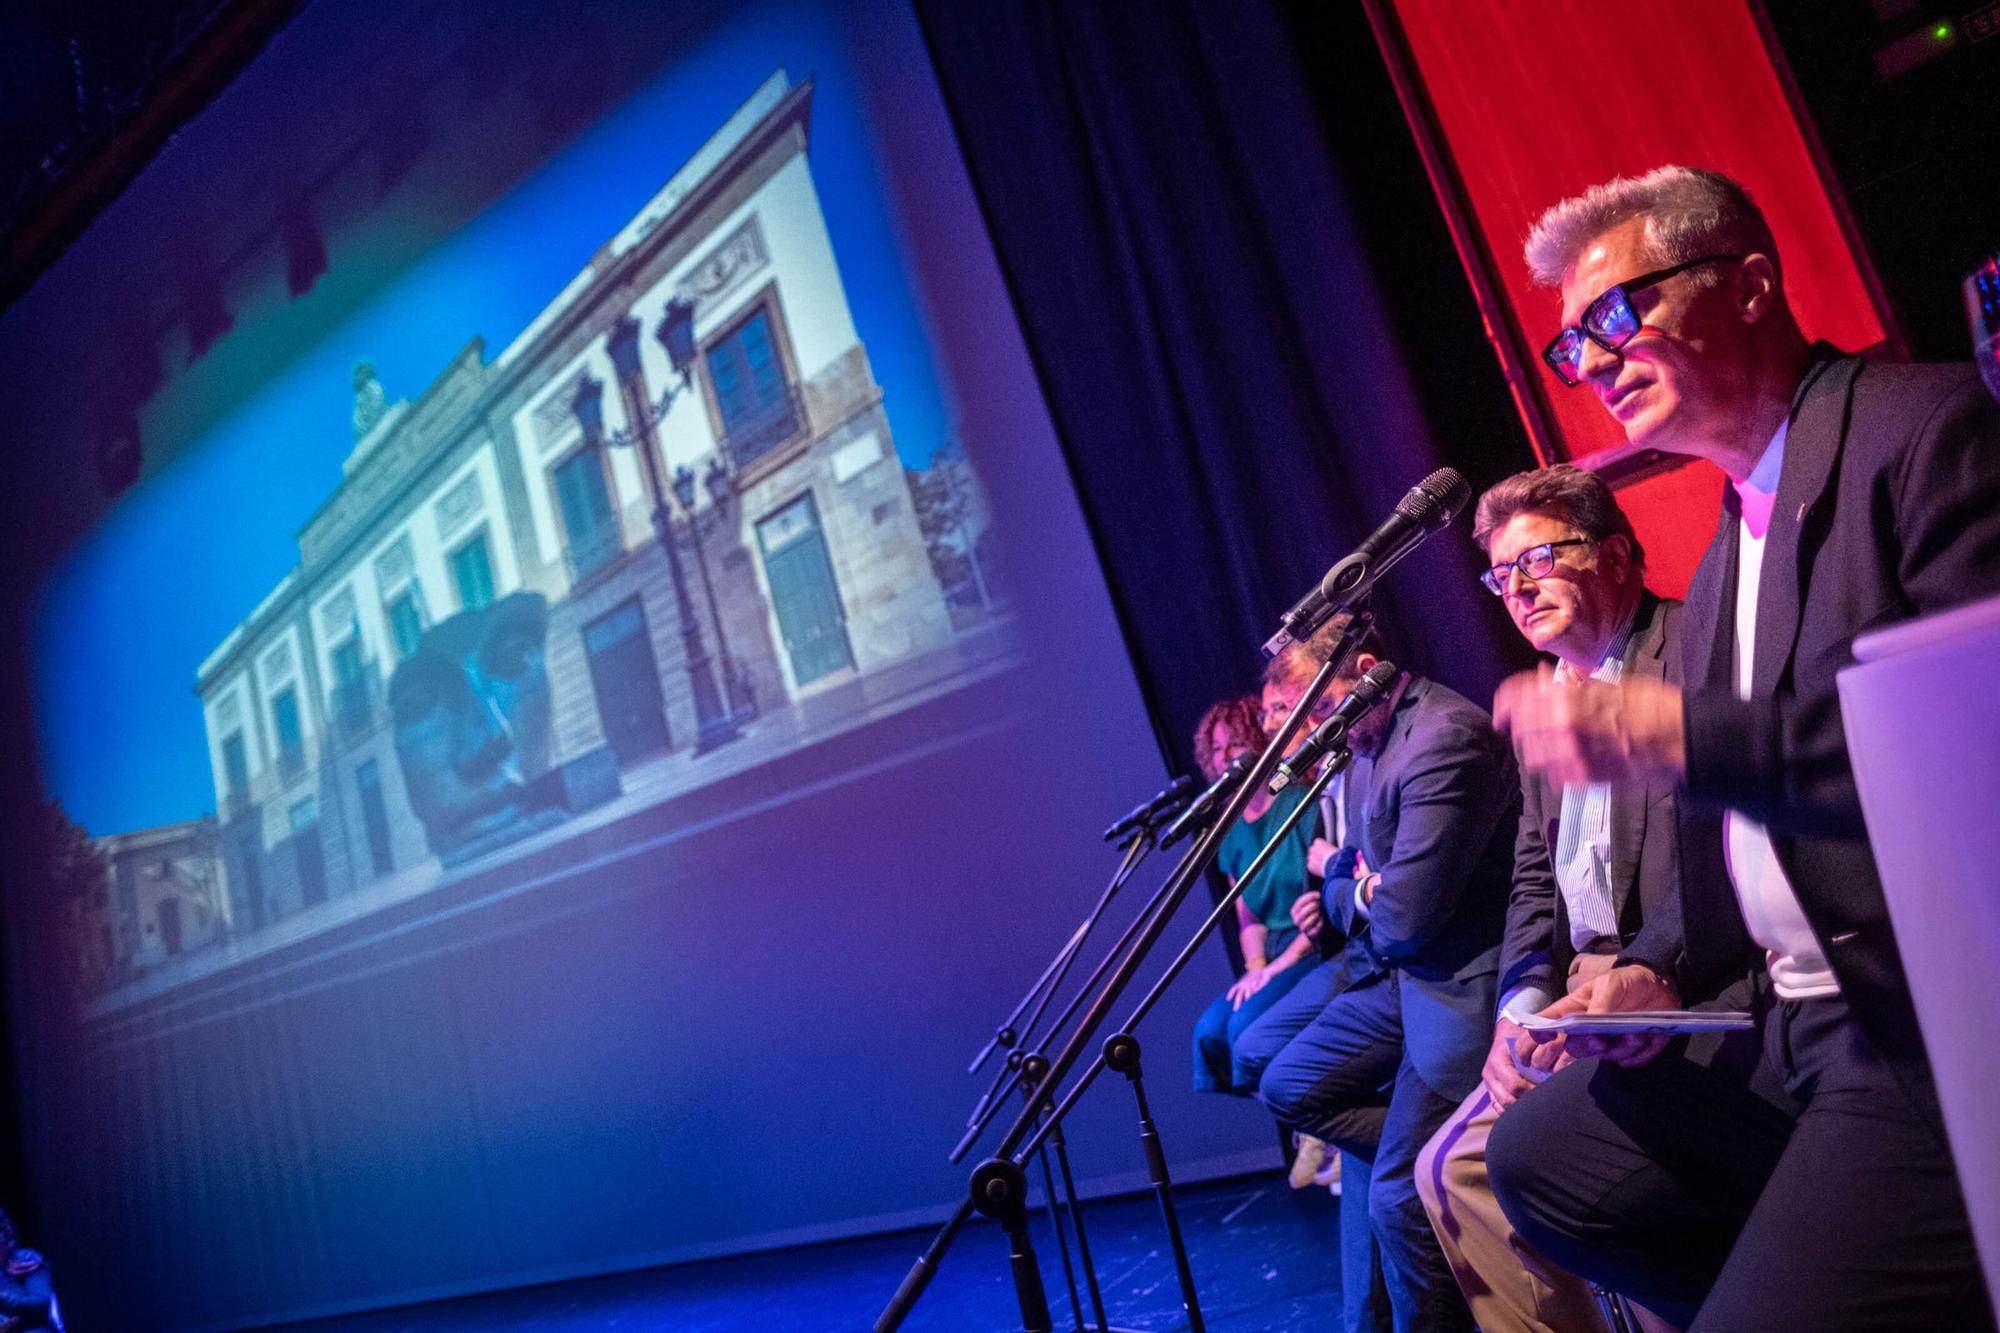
<point>1534,102</point>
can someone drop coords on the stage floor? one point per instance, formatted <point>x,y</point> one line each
<point>1265,1259</point>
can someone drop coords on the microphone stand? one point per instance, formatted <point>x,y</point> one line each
<point>1014,1067</point>
<point>1028,1070</point>
<point>998,1184</point>
<point>1121,1051</point>
<point>1137,845</point>
<point>1031,1067</point>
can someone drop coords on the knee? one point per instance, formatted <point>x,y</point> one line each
<point>1525,1158</point>
<point>1282,1091</point>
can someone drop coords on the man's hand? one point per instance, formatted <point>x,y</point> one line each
<point>1593,732</point>
<point>1620,990</point>
<point>1309,914</point>
<point>1317,855</point>
<point>1503,1077</point>
<point>1247,985</point>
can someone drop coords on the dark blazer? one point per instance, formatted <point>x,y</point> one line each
<point>1888,507</point>
<point>1646,852</point>
<point>1437,808</point>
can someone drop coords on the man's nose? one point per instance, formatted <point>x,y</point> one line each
<point>1519,582</point>
<point>1596,363</point>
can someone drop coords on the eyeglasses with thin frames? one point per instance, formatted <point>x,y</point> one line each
<point>1537,562</point>
<point>1610,321</point>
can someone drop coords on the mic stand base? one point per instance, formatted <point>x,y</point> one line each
<point>1121,1053</point>
<point>1000,1190</point>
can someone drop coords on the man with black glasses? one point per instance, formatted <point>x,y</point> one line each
<point>1596,868</point>
<point>1807,1185</point>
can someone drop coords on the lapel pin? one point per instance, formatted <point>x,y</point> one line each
<point>1801,516</point>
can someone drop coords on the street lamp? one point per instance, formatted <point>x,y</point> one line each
<point>742,704</point>
<point>714,724</point>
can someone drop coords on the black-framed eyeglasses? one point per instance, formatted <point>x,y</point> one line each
<point>1537,562</point>
<point>1609,320</point>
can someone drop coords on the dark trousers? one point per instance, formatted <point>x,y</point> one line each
<point>1344,1078</point>
<point>1252,1050</point>
<point>1222,1025</point>
<point>1785,1179</point>
<point>1331,1079</point>
<point>1364,1300</point>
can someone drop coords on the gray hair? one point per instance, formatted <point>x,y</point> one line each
<point>1689,213</point>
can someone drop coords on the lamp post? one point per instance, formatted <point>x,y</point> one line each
<point>720,492</point>
<point>714,726</point>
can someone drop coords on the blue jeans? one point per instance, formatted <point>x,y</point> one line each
<point>1216,1031</point>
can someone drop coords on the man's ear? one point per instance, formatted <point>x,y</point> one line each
<point>1615,553</point>
<point>1757,287</point>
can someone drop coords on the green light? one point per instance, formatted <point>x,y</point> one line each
<point>1942,32</point>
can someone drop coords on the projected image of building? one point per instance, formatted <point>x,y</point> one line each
<point>662,536</point>
<point>153,895</point>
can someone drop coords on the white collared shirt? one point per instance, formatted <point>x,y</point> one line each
<point>1581,858</point>
<point>1771,910</point>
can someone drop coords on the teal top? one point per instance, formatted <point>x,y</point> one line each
<point>1269,897</point>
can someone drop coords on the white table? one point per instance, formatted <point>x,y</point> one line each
<point>1922,708</point>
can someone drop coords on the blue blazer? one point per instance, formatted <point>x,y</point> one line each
<point>1436,809</point>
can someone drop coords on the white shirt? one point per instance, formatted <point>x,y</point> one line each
<point>1771,910</point>
<point>1581,858</point>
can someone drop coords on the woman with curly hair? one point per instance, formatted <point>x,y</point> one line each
<point>1275,954</point>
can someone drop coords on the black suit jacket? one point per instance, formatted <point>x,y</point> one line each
<point>1646,848</point>
<point>1888,507</point>
<point>1437,806</point>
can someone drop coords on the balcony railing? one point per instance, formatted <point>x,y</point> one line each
<point>763,428</point>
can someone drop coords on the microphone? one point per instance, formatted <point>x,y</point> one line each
<point>1366,693</point>
<point>1204,805</point>
<point>1165,801</point>
<point>1431,504</point>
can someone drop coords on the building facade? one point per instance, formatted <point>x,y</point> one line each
<point>163,897</point>
<point>731,542</point>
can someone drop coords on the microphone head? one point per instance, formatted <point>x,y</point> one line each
<point>1375,681</point>
<point>1437,499</point>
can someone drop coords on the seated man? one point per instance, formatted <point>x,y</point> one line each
<point>1430,802</point>
<point>1809,1184</point>
<point>1594,866</point>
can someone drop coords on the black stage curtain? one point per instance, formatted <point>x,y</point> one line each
<point>1246,313</point>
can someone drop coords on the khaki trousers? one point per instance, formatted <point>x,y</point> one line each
<point>1511,1286</point>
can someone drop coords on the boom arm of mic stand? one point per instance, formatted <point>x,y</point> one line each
<point>1198,859</point>
<point>1336,761</point>
<point>1050,981</point>
<point>1004,1083</point>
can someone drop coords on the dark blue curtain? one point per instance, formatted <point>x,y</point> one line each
<point>1246,312</point>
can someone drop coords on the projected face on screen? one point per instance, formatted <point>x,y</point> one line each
<point>471,711</point>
